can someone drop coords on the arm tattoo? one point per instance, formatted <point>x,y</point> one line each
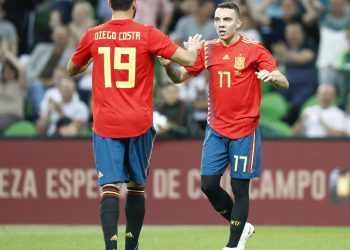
<point>174,73</point>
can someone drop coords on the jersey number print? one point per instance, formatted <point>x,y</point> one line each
<point>119,65</point>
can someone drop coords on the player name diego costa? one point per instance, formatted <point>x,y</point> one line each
<point>111,35</point>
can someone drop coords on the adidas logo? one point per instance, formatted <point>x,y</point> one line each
<point>226,57</point>
<point>114,237</point>
<point>100,174</point>
<point>129,235</point>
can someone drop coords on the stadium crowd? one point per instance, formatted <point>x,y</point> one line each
<point>310,40</point>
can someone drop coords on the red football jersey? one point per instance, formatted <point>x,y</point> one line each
<point>122,78</point>
<point>234,90</point>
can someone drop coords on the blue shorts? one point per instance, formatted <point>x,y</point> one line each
<point>124,159</point>
<point>243,154</point>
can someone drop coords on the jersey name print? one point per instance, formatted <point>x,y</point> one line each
<point>123,70</point>
<point>107,34</point>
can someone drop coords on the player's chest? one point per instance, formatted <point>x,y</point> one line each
<point>229,59</point>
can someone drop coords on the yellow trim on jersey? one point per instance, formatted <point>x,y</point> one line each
<point>206,44</point>
<point>249,40</point>
<point>253,153</point>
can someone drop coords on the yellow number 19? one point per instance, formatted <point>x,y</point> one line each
<point>118,64</point>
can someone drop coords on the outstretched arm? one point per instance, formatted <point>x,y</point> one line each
<point>176,74</point>
<point>276,78</point>
<point>188,57</point>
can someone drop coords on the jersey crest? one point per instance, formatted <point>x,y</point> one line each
<point>239,62</point>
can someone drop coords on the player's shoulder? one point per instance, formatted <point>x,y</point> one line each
<point>213,42</point>
<point>250,42</point>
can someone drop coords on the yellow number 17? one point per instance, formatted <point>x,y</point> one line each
<point>118,64</point>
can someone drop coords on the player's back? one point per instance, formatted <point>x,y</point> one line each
<point>123,72</point>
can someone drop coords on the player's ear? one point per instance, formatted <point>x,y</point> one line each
<point>239,23</point>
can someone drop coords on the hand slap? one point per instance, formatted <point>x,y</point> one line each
<point>194,43</point>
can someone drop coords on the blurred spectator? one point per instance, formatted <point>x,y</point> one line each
<point>323,119</point>
<point>298,59</point>
<point>344,68</point>
<point>43,61</point>
<point>63,114</point>
<point>20,13</point>
<point>84,86</point>
<point>181,8</point>
<point>104,12</point>
<point>54,93</point>
<point>347,116</point>
<point>271,8</point>
<point>274,28</point>
<point>333,24</point>
<point>8,31</point>
<point>174,125</point>
<point>200,22</point>
<point>161,10</point>
<point>82,19</point>
<point>12,88</point>
<point>195,93</point>
<point>249,26</point>
<point>55,20</point>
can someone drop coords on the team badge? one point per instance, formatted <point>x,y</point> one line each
<point>239,62</point>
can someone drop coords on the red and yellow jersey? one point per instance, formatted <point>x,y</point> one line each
<point>122,78</point>
<point>234,90</point>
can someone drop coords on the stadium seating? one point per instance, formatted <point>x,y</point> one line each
<point>275,128</point>
<point>273,107</point>
<point>312,100</point>
<point>21,129</point>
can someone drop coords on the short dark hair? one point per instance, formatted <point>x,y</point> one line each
<point>229,5</point>
<point>121,4</point>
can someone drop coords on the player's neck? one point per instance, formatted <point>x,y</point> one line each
<point>122,15</point>
<point>231,40</point>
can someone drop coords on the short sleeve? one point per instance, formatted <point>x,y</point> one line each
<point>264,59</point>
<point>82,54</point>
<point>160,44</point>
<point>199,66</point>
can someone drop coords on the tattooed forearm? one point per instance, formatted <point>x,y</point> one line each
<point>174,73</point>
